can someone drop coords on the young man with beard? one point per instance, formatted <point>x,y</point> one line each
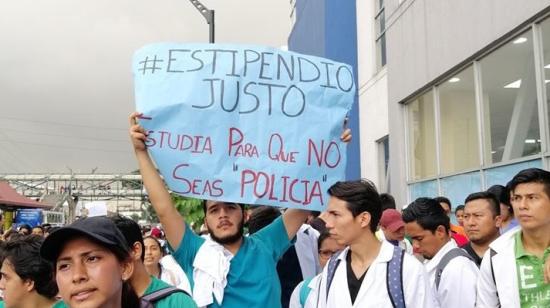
<point>361,274</point>
<point>512,270</point>
<point>481,223</point>
<point>452,273</point>
<point>227,270</point>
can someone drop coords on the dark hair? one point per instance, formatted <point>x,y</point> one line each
<point>318,224</point>
<point>532,175</point>
<point>491,198</point>
<point>360,196</point>
<point>428,213</point>
<point>314,214</point>
<point>322,237</point>
<point>242,206</point>
<point>24,226</point>
<point>459,208</point>
<point>38,227</point>
<point>24,255</point>
<point>261,217</point>
<point>442,199</point>
<point>52,229</point>
<point>131,231</point>
<point>503,195</point>
<point>388,202</point>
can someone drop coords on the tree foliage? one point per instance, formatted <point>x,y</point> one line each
<point>191,209</point>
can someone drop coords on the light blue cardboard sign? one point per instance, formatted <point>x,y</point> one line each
<point>246,124</point>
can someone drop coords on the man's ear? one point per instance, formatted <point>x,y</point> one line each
<point>365,219</point>
<point>29,285</point>
<point>498,221</point>
<point>441,232</point>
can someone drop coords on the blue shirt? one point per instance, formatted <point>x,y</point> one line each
<point>252,280</point>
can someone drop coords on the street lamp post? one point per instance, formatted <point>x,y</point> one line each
<point>207,14</point>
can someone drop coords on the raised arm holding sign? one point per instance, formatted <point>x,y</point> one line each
<point>235,125</point>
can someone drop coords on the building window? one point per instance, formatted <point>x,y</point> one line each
<point>421,137</point>
<point>380,25</point>
<point>458,123</point>
<point>510,101</point>
<point>545,28</point>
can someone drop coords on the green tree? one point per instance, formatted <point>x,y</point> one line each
<point>191,209</point>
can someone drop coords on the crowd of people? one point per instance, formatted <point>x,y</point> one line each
<point>361,252</point>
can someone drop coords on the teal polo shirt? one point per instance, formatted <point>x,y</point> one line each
<point>178,299</point>
<point>252,280</point>
<point>533,292</point>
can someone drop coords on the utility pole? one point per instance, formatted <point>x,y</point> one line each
<point>207,14</point>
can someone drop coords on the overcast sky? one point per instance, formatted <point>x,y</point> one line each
<point>66,87</point>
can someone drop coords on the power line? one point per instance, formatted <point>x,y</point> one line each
<point>62,124</point>
<point>61,135</point>
<point>66,147</point>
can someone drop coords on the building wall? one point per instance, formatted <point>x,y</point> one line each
<point>373,96</point>
<point>328,29</point>
<point>427,40</point>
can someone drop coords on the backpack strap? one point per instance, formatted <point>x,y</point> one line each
<point>394,278</point>
<point>451,254</point>
<point>150,299</point>
<point>304,291</point>
<point>492,253</point>
<point>331,269</point>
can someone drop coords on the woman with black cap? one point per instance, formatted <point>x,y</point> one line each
<point>92,264</point>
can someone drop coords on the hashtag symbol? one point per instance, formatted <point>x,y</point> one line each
<point>150,65</point>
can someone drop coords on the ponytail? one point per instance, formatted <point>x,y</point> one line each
<point>129,296</point>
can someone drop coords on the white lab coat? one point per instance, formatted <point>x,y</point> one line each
<point>306,250</point>
<point>311,299</point>
<point>173,274</point>
<point>373,291</point>
<point>457,287</point>
<point>506,275</point>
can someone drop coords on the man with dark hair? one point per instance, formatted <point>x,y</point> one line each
<point>37,230</point>
<point>388,202</point>
<point>361,274</point>
<point>512,269</point>
<point>508,221</point>
<point>452,273</point>
<point>27,279</point>
<point>457,232</point>
<point>143,283</point>
<point>459,215</point>
<point>481,223</point>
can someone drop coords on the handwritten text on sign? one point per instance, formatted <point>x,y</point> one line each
<point>245,124</point>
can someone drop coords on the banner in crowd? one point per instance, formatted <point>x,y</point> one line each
<point>245,124</point>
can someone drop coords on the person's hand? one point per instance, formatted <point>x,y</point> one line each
<point>137,133</point>
<point>546,271</point>
<point>346,135</point>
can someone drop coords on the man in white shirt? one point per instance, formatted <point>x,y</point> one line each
<point>392,230</point>
<point>452,273</point>
<point>359,276</point>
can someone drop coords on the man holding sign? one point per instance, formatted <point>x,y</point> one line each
<point>245,125</point>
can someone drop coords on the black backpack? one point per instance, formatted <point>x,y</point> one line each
<point>149,300</point>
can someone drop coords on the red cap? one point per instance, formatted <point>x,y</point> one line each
<point>155,232</point>
<point>391,220</point>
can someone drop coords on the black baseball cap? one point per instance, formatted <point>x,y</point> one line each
<point>100,229</point>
